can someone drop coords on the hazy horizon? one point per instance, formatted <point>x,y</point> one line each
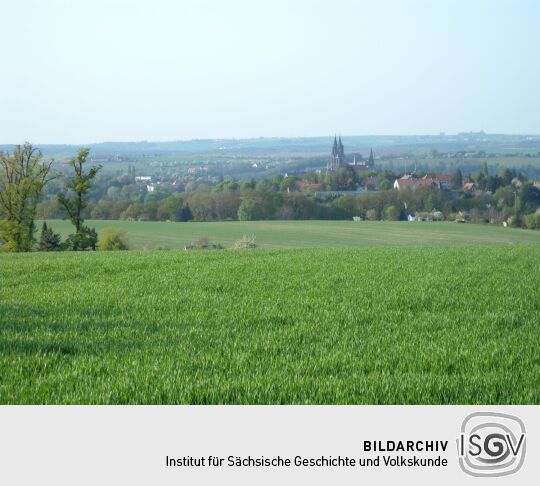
<point>262,137</point>
<point>133,71</point>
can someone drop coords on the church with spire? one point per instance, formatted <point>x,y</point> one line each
<point>337,160</point>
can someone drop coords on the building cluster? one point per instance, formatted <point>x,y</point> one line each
<point>410,181</point>
<point>442,181</point>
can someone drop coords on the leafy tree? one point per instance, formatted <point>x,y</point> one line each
<point>392,213</point>
<point>297,206</point>
<point>247,184</point>
<point>102,210</point>
<point>23,176</point>
<point>49,240</point>
<point>532,221</point>
<point>113,193</point>
<point>154,196</point>
<point>132,212</point>
<point>330,182</point>
<point>202,206</point>
<point>346,178</point>
<point>505,197</point>
<point>173,209</point>
<point>226,205</point>
<point>249,210</point>
<point>76,201</point>
<point>267,185</point>
<point>227,185</point>
<point>384,185</point>
<point>259,206</point>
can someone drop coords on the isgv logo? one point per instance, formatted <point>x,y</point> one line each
<point>491,444</point>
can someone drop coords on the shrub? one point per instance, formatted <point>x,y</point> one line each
<point>372,215</point>
<point>203,243</point>
<point>247,241</point>
<point>113,240</point>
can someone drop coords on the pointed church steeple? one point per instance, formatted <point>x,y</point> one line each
<point>341,152</point>
<point>335,147</point>
<point>371,161</point>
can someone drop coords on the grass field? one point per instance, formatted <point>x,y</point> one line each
<point>391,325</point>
<point>314,234</point>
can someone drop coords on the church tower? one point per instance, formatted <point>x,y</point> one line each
<point>338,155</point>
<point>371,160</point>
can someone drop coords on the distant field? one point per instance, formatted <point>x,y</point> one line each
<point>302,234</point>
<point>441,325</point>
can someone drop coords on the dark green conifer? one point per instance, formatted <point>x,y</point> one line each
<point>49,240</point>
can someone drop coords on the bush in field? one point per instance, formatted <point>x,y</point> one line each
<point>247,241</point>
<point>203,243</point>
<point>371,214</point>
<point>112,239</point>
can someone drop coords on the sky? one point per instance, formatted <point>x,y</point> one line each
<point>89,71</point>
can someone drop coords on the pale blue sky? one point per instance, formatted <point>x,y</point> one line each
<point>89,71</point>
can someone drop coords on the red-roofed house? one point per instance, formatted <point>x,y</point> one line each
<point>470,187</point>
<point>442,181</point>
<point>411,182</point>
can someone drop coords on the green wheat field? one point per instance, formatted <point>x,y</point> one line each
<point>415,314</point>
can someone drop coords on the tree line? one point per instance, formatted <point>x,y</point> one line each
<point>507,196</point>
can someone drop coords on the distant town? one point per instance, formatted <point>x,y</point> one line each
<point>491,182</point>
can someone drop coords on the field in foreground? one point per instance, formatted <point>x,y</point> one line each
<point>312,234</point>
<point>368,325</point>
